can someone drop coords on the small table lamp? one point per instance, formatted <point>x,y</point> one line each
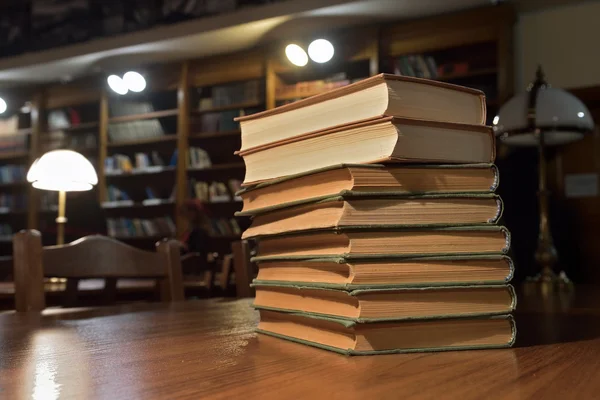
<point>543,116</point>
<point>62,171</point>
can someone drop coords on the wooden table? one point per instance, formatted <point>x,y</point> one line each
<point>207,349</point>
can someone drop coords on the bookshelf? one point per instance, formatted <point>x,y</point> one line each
<point>139,141</point>
<point>220,89</point>
<point>356,58</point>
<point>472,48</point>
<point>68,119</point>
<point>17,148</point>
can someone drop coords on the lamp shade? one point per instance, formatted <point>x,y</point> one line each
<point>62,170</point>
<point>563,118</point>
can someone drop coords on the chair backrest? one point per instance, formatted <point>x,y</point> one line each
<point>90,257</point>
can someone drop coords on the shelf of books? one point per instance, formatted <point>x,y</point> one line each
<point>356,58</point>
<point>471,49</point>
<point>15,138</point>
<point>221,89</point>
<point>141,161</point>
<point>69,119</point>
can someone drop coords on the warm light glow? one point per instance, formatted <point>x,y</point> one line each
<point>134,81</point>
<point>296,55</point>
<point>26,108</point>
<point>581,114</point>
<point>320,51</point>
<point>62,170</point>
<point>3,106</point>
<point>496,120</point>
<point>117,84</point>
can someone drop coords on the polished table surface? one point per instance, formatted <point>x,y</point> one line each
<point>207,349</point>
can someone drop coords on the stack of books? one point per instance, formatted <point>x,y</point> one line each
<point>374,210</point>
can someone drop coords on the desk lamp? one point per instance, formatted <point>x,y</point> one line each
<point>62,171</point>
<point>543,116</point>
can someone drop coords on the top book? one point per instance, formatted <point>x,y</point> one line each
<point>380,95</point>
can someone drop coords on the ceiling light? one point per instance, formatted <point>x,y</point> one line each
<point>117,84</point>
<point>296,55</point>
<point>320,51</point>
<point>3,106</point>
<point>134,81</point>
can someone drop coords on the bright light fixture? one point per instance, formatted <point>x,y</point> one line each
<point>62,170</point>
<point>3,106</point>
<point>496,120</point>
<point>134,81</point>
<point>320,51</point>
<point>296,55</point>
<point>117,84</point>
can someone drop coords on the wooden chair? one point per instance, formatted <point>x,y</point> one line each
<point>90,257</point>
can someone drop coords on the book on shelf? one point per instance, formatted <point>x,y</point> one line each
<point>219,227</point>
<point>230,94</point>
<point>123,108</point>
<point>10,138</point>
<point>387,139</point>
<point>140,227</point>
<point>157,160</point>
<point>120,132</point>
<point>355,338</point>
<point>12,173</point>
<point>142,162</point>
<point>337,179</point>
<point>198,158</point>
<point>6,232</point>
<point>381,95</point>
<point>117,196</point>
<point>13,202</point>
<point>215,192</point>
<point>309,88</point>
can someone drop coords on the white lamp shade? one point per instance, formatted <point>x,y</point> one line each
<point>562,116</point>
<point>62,170</point>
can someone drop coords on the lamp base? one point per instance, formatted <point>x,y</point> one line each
<point>548,280</point>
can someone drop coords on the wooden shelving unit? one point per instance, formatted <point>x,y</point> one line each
<point>357,57</point>
<point>17,152</point>
<point>477,44</point>
<point>69,119</point>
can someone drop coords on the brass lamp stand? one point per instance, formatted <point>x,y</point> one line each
<point>545,253</point>
<point>61,220</point>
<point>553,117</point>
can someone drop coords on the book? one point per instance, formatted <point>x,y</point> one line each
<point>370,142</point>
<point>383,270</point>
<point>331,181</point>
<point>352,338</point>
<point>361,210</point>
<point>380,95</point>
<point>359,242</point>
<point>387,304</point>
